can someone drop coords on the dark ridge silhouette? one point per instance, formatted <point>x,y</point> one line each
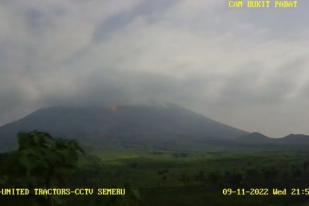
<point>160,127</point>
<point>151,125</point>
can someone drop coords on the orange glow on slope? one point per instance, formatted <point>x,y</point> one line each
<point>114,108</point>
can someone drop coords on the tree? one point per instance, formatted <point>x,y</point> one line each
<point>42,161</point>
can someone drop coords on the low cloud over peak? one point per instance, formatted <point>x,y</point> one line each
<point>247,68</point>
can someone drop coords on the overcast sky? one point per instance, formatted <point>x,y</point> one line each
<point>243,67</point>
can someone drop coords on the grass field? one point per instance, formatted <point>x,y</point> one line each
<point>155,178</point>
<point>173,178</point>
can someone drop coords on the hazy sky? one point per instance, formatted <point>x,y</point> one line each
<point>244,67</point>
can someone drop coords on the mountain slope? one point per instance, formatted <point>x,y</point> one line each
<point>294,140</point>
<point>260,141</point>
<point>155,126</point>
<point>254,138</point>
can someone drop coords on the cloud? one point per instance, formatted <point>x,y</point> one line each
<point>236,66</point>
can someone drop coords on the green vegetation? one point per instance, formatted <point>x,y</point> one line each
<point>150,177</point>
<point>40,161</point>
